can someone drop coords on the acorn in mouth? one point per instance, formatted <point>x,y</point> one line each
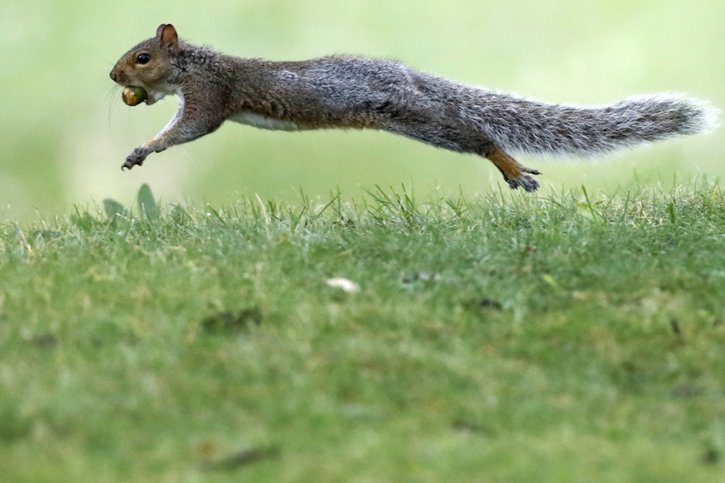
<point>133,96</point>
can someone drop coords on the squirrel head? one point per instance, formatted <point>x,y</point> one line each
<point>148,64</point>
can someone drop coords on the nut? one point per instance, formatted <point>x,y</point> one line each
<point>133,96</point>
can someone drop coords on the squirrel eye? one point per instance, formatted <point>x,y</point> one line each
<point>143,59</point>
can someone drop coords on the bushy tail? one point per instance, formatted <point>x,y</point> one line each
<point>522,125</point>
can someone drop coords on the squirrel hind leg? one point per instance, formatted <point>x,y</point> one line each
<point>515,174</point>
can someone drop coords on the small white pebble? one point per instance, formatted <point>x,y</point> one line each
<point>343,284</point>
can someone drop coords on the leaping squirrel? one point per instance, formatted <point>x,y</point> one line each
<point>355,92</point>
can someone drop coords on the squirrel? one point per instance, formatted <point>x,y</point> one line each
<point>357,92</point>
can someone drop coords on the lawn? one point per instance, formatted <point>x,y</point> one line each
<point>560,337</point>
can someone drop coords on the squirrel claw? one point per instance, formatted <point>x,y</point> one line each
<point>524,181</point>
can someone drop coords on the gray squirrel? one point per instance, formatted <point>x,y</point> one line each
<point>355,92</point>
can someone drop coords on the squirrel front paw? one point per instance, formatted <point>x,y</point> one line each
<point>136,158</point>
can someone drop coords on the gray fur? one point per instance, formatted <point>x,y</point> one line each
<point>458,117</point>
<point>356,92</point>
<point>521,125</point>
<point>514,123</point>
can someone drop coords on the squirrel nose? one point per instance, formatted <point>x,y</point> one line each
<point>118,76</point>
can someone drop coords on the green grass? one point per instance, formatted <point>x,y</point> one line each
<point>507,338</point>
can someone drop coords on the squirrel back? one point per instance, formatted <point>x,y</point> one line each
<point>356,92</point>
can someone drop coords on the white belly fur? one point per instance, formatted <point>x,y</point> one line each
<point>263,122</point>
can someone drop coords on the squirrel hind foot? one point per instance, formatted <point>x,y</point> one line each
<point>515,173</point>
<point>524,181</point>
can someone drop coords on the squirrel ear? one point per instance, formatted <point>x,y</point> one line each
<point>166,33</point>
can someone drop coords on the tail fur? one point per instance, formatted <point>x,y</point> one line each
<point>521,125</point>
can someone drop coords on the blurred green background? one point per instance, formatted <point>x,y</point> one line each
<point>64,131</point>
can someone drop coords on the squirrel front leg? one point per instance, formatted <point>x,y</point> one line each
<point>185,126</point>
